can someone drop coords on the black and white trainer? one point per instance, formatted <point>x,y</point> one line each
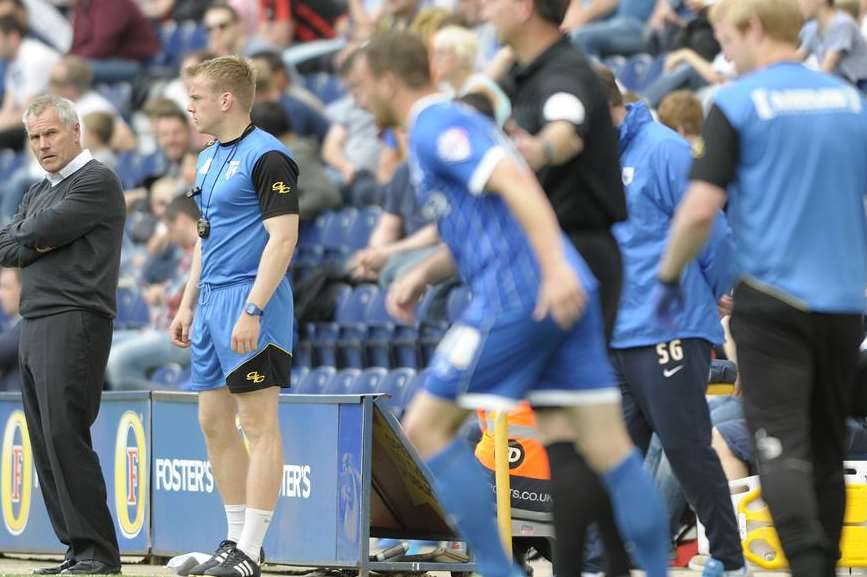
<point>237,564</point>
<point>218,557</point>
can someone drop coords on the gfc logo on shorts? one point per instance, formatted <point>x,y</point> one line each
<point>255,377</point>
<point>130,475</point>
<point>16,473</point>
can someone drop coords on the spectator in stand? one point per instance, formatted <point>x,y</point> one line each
<point>622,34</point>
<point>96,136</point>
<point>316,192</point>
<point>134,359</point>
<point>304,109</point>
<point>453,56</point>
<point>72,78</point>
<point>691,49</point>
<point>43,20</point>
<point>173,136</point>
<point>287,22</point>
<point>682,112</point>
<point>352,146</point>
<point>471,13</point>
<point>114,36</point>
<point>403,237</point>
<point>10,301</point>
<point>833,37</point>
<point>393,15</point>
<point>29,62</point>
<point>226,34</point>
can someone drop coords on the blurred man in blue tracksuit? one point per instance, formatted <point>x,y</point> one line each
<point>663,367</point>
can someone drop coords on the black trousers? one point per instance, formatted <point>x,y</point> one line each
<point>602,254</point>
<point>663,390</point>
<point>63,359</point>
<point>797,370</point>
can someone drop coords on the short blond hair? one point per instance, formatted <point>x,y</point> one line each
<point>231,74</point>
<point>781,19</point>
<point>463,42</point>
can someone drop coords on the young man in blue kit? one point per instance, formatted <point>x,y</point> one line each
<point>785,147</point>
<point>236,312</point>
<point>534,328</point>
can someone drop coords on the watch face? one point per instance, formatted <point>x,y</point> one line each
<point>253,310</point>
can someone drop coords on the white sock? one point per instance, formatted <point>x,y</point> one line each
<point>256,524</point>
<point>235,521</point>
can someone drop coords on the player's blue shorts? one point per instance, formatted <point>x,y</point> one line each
<point>495,362</point>
<point>215,364</point>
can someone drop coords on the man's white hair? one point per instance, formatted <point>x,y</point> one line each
<point>65,109</point>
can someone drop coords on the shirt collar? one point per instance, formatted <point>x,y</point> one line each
<point>74,166</point>
<point>523,72</point>
<point>423,103</point>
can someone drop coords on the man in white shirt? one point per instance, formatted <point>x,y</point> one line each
<point>27,73</point>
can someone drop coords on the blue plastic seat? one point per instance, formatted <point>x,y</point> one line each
<point>342,382</point>
<point>395,385</point>
<point>132,311</point>
<point>297,376</point>
<point>368,381</point>
<point>363,225</point>
<point>335,236</point>
<point>315,381</point>
<point>351,327</point>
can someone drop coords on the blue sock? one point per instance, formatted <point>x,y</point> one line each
<point>462,489</point>
<point>640,514</point>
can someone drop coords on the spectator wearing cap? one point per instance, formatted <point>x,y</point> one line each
<point>114,36</point>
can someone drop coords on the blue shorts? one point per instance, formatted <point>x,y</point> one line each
<point>215,364</point>
<point>497,362</point>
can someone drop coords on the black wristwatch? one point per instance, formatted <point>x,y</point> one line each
<point>253,310</point>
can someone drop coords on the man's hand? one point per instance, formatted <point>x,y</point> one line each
<point>531,147</point>
<point>180,328</point>
<point>245,335</point>
<point>674,59</point>
<point>561,296</point>
<point>667,299</point>
<point>403,296</point>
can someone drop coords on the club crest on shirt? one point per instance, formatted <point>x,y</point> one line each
<point>453,145</point>
<point>628,175</point>
<point>204,170</point>
<point>436,206</point>
<point>232,169</point>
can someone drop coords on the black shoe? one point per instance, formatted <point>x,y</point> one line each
<point>237,564</point>
<point>218,557</point>
<point>92,567</point>
<point>67,563</point>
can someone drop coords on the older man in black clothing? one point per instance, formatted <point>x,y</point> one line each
<point>66,239</point>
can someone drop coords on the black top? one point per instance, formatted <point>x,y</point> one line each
<point>275,172</point>
<point>717,157</point>
<point>587,191</point>
<point>79,226</point>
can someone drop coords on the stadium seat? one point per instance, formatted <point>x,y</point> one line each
<point>335,237</point>
<point>169,376</point>
<point>380,333</point>
<point>296,377</point>
<point>132,311</point>
<point>368,381</point>
<point>120,96</point>
<point>10,162</point>
<point>315,381</point>
<point>395,385</point>
<point>364,224</point>
<point>351,328</point>
<point>341,382</point>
